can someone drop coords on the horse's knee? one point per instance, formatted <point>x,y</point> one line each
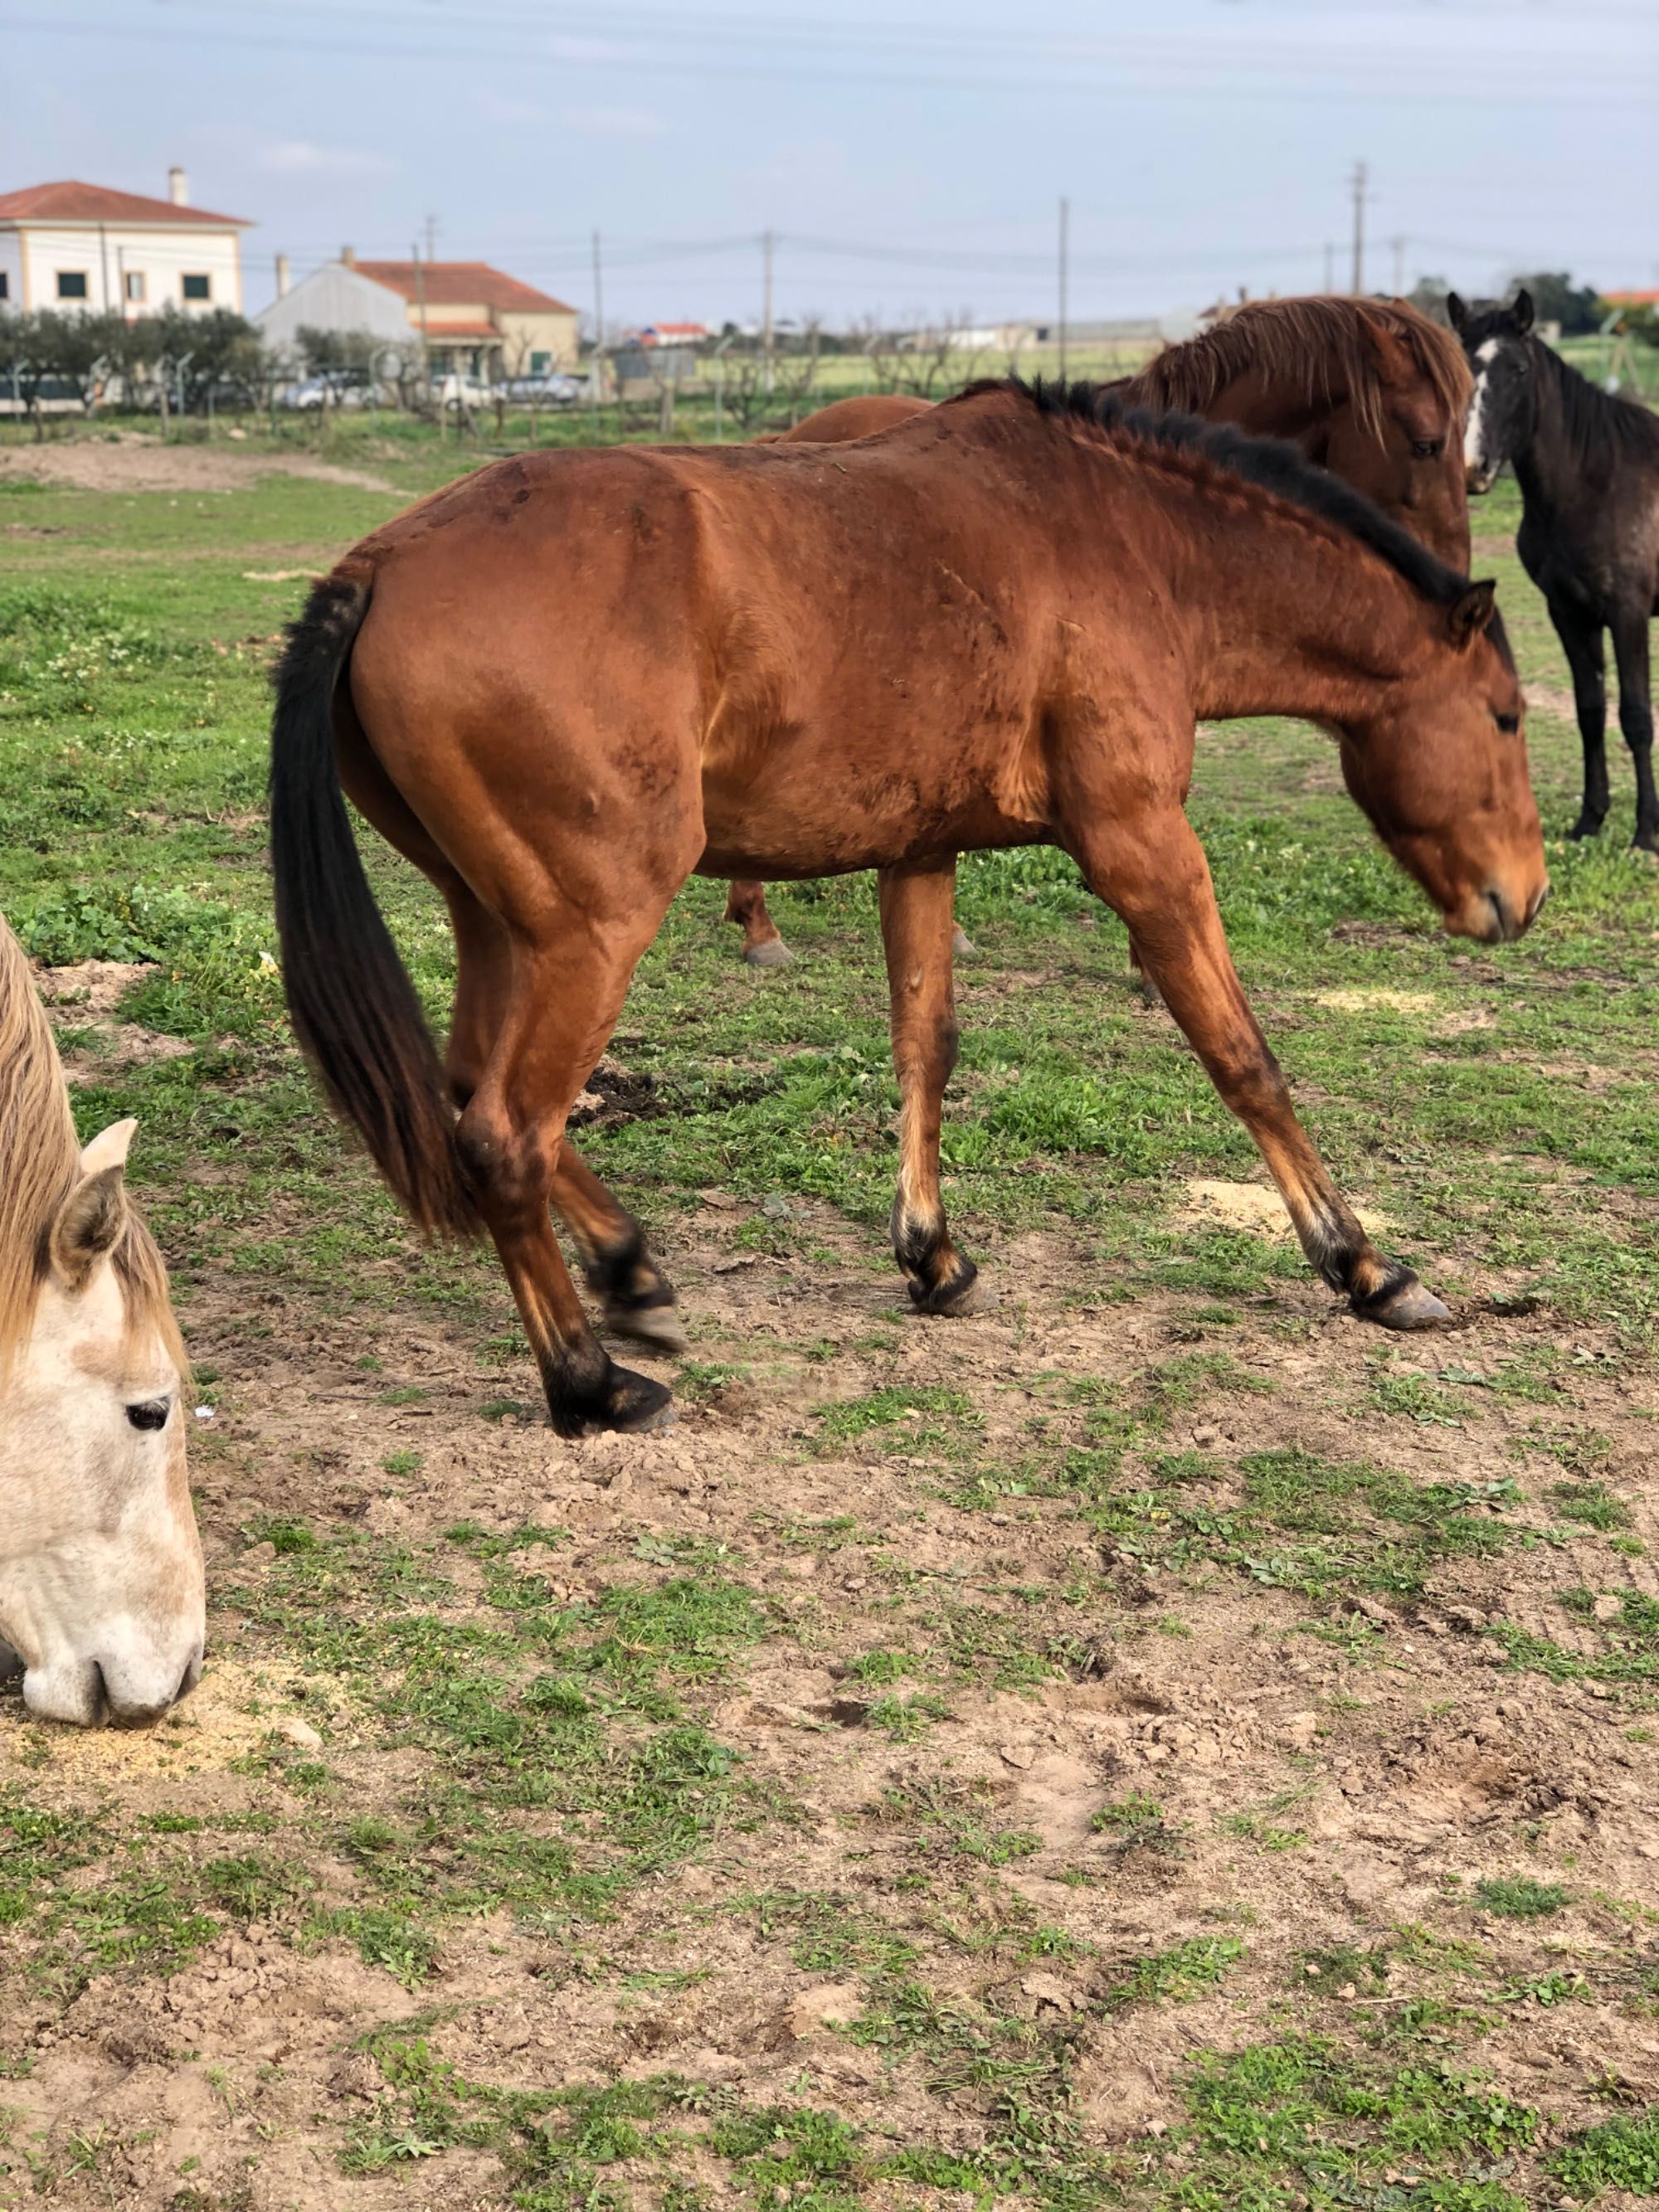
<point>511,1169</point>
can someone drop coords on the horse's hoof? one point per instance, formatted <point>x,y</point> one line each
<point>1583,827</point>
<point>659,1325</point>
<point>962,945</point>
<point>1647,844</point>
<point>1409,1307</point>
<point>773,953</point>
<point>635,1405</point>
<point>963,1294</point>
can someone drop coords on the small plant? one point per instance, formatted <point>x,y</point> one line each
<point>1518,1897</point>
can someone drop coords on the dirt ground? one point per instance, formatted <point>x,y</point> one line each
<point>129,461</point>
<point>1408,1775</point>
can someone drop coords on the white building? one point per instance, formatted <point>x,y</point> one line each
<point>74,245</point>
<point>332,298</point>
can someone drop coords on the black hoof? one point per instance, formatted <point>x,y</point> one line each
<point>659,1325</point>
<point>960,1294</point>
<point>1587,827</point>
<point>1405,1306</point>
<point>635,1405</point>
<point>1645,841</point>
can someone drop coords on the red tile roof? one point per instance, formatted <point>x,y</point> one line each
<point>71,202</point>
<point>462,284</point>
<point>1632,299</point>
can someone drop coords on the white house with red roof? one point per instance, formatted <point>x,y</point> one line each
<point>473,318</point>
<point>74,247</point>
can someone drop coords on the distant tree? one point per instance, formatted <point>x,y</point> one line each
<point>198,354</point>
<point>28,353</point>
<point>348,359</point>
<point>1556,299</point>
<point>1428,294</point>
<point>132,351</point>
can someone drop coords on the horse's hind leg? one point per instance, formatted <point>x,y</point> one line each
<point>1153,874</point>
<point>745,904</point>
<point>1630,648</point>
<point>564,996</point>
<point>639,1300</point>
<point>1582,642</point>
<point>916,933</point>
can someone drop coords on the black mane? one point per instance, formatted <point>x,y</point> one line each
<point>1273,464</point>
<point>1604,428</point>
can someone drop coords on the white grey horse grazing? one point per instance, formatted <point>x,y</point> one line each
<point>102,1601</point>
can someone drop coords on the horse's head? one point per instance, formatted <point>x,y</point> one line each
<point>1502,413</point>
<point>1397,436</point>
<point>101,1592</point>
<point>1441,770</point>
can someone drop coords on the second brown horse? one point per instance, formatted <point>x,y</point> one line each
<point>567,682</point>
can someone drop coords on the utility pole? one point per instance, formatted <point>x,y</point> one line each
<point>425,360</point>
<point>1065,242</point>
<point>1330,271</point>
<point>1399,246</point>
<point>599,330</point>
<point>1358,284</point>
<point>766,309</point>
<point>431,238</point>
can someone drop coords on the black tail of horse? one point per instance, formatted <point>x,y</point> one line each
<point>354,1008</point>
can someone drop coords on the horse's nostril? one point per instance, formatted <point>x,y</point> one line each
<point>189,1678</point>
<point>101,1708</point>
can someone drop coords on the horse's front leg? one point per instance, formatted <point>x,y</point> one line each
<point>1150,869</point>
<point>917,934</point>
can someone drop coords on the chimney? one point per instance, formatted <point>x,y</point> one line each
<point>349,255</point>
<point>281,275</point>
<point>177,187</point>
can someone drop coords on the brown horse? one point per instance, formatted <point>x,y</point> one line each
<point>569,681</point>
<point>1370,389</point>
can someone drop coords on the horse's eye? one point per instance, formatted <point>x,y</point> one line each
<point>1427,449</point>
<point>150,1413</point>
<point>1509,725</point>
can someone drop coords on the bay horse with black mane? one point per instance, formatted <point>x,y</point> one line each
<point>569,681</point>
<point>1587,465</point>
<point>1370,389</point>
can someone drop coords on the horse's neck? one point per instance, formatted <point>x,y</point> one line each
<point>1544,464</point>
<point>1281,620</point>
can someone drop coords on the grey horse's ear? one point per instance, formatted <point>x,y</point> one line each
<point>1456,313</point>
<point>94,1213</point>
<point>1523,311</point>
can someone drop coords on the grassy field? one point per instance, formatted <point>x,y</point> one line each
<point>1159,1744</point>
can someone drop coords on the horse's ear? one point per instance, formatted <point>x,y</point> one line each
<point>90,1221</point>
<point>1456,313</point>
<point>1523,311</point>
<point>1471,610</point>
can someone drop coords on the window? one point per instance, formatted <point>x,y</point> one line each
<point>5,284</point>
<point>540,364</point>
<point>71,283</point>
<point>198,288</point>
<point>135,284</point>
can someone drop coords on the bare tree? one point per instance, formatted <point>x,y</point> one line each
<point>796,371</point>
<point>880,347</point>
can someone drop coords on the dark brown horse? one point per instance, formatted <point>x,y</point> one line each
<point>1370,389</point>
<point>567,682</point>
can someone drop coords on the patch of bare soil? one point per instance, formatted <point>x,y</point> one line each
<point>1551,699</point>
<point>83,998</point>
<point>131,462</point>
<point>1310,1799</point>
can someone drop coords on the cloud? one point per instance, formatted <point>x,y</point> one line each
<point>301,157</point>
<point>614,122</point>
<point>494,107</point>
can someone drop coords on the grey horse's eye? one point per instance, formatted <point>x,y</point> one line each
<point>150,1413</point>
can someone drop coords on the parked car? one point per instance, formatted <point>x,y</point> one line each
<point>317,391</point>
<point>554,391</point>
<point>457,390</point>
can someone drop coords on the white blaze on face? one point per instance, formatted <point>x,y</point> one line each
<point>1474,434</point>
<point>101,1588</point>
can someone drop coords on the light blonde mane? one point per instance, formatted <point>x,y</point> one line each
<point>40,1157</point>
<point>1320,348</point>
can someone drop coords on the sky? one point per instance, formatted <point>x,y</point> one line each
<point>909,161</point>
